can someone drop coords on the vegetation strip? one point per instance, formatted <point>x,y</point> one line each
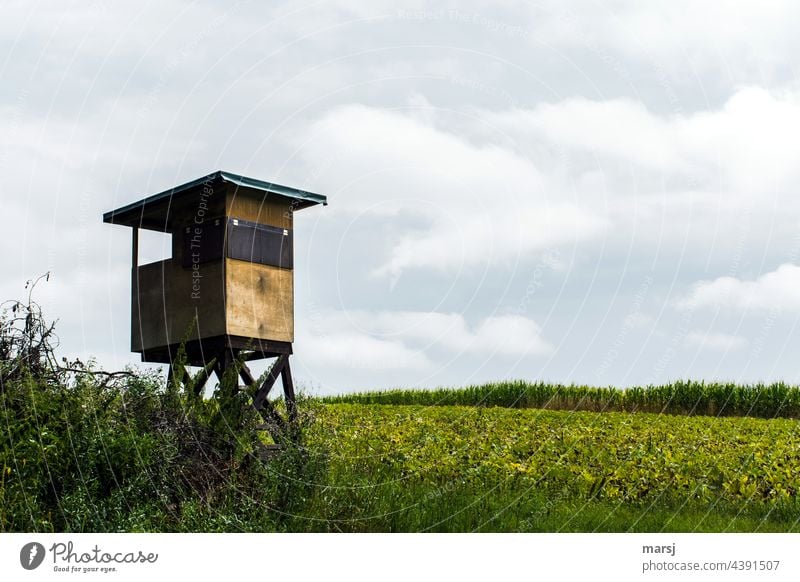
<point>681,397</point>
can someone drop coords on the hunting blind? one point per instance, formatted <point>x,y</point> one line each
<point>227,292</point>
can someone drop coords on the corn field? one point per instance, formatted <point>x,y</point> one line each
<point>776,400</point>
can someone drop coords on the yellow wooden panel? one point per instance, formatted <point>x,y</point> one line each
<point>256,206</point>
<point>260,301</point>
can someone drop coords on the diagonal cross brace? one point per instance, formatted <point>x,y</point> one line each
<point>261,395</point>
<point>203,375</point>
<point>246,375</point>
<point>275,423</point>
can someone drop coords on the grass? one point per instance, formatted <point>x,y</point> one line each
<point>682,397</point>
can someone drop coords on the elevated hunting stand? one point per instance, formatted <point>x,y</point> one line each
<point>229,283</point>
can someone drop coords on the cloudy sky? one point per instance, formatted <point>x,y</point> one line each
<point>594,192</point>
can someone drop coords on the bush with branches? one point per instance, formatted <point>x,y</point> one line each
<point>82,449</point>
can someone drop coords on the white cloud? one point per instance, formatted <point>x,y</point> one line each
<point>735,38</point>
<point>745,39</point>
<point>747,143</point>
<point>360,351</point>
<point>500,186</point>
<point>715,341</point>
<point>478,203</point>
<point>714,181</point>
<point>776,289</point>
<point>422,332</point>
<point>510,334</point>
<point>616,127</point>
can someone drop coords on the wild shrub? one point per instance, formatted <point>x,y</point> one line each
<point>82,449</point>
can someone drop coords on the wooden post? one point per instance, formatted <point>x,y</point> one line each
<point>135,307</point>
<point>288,391</point>
<point>135,248</point>
<point>224,361</point>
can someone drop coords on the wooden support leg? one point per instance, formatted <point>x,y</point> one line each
<point>288,391</point>
<point>224,362</point>
<point>227,360</point>
<point>181,374</point>
<point>219,370</point>
<point>273,421</point>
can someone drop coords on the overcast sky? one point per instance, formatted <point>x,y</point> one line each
<point>593,192</point>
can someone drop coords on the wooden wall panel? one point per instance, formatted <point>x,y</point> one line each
<point>260,301</point>
<point>169,297</point>
<point>256,206</point>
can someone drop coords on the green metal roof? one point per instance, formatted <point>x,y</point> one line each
<point>134,214</point>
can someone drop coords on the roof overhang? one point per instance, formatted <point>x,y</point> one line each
<point>141,214</point>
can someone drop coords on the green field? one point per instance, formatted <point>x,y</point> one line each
<point>136,455</point>
<point>452,468</point>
